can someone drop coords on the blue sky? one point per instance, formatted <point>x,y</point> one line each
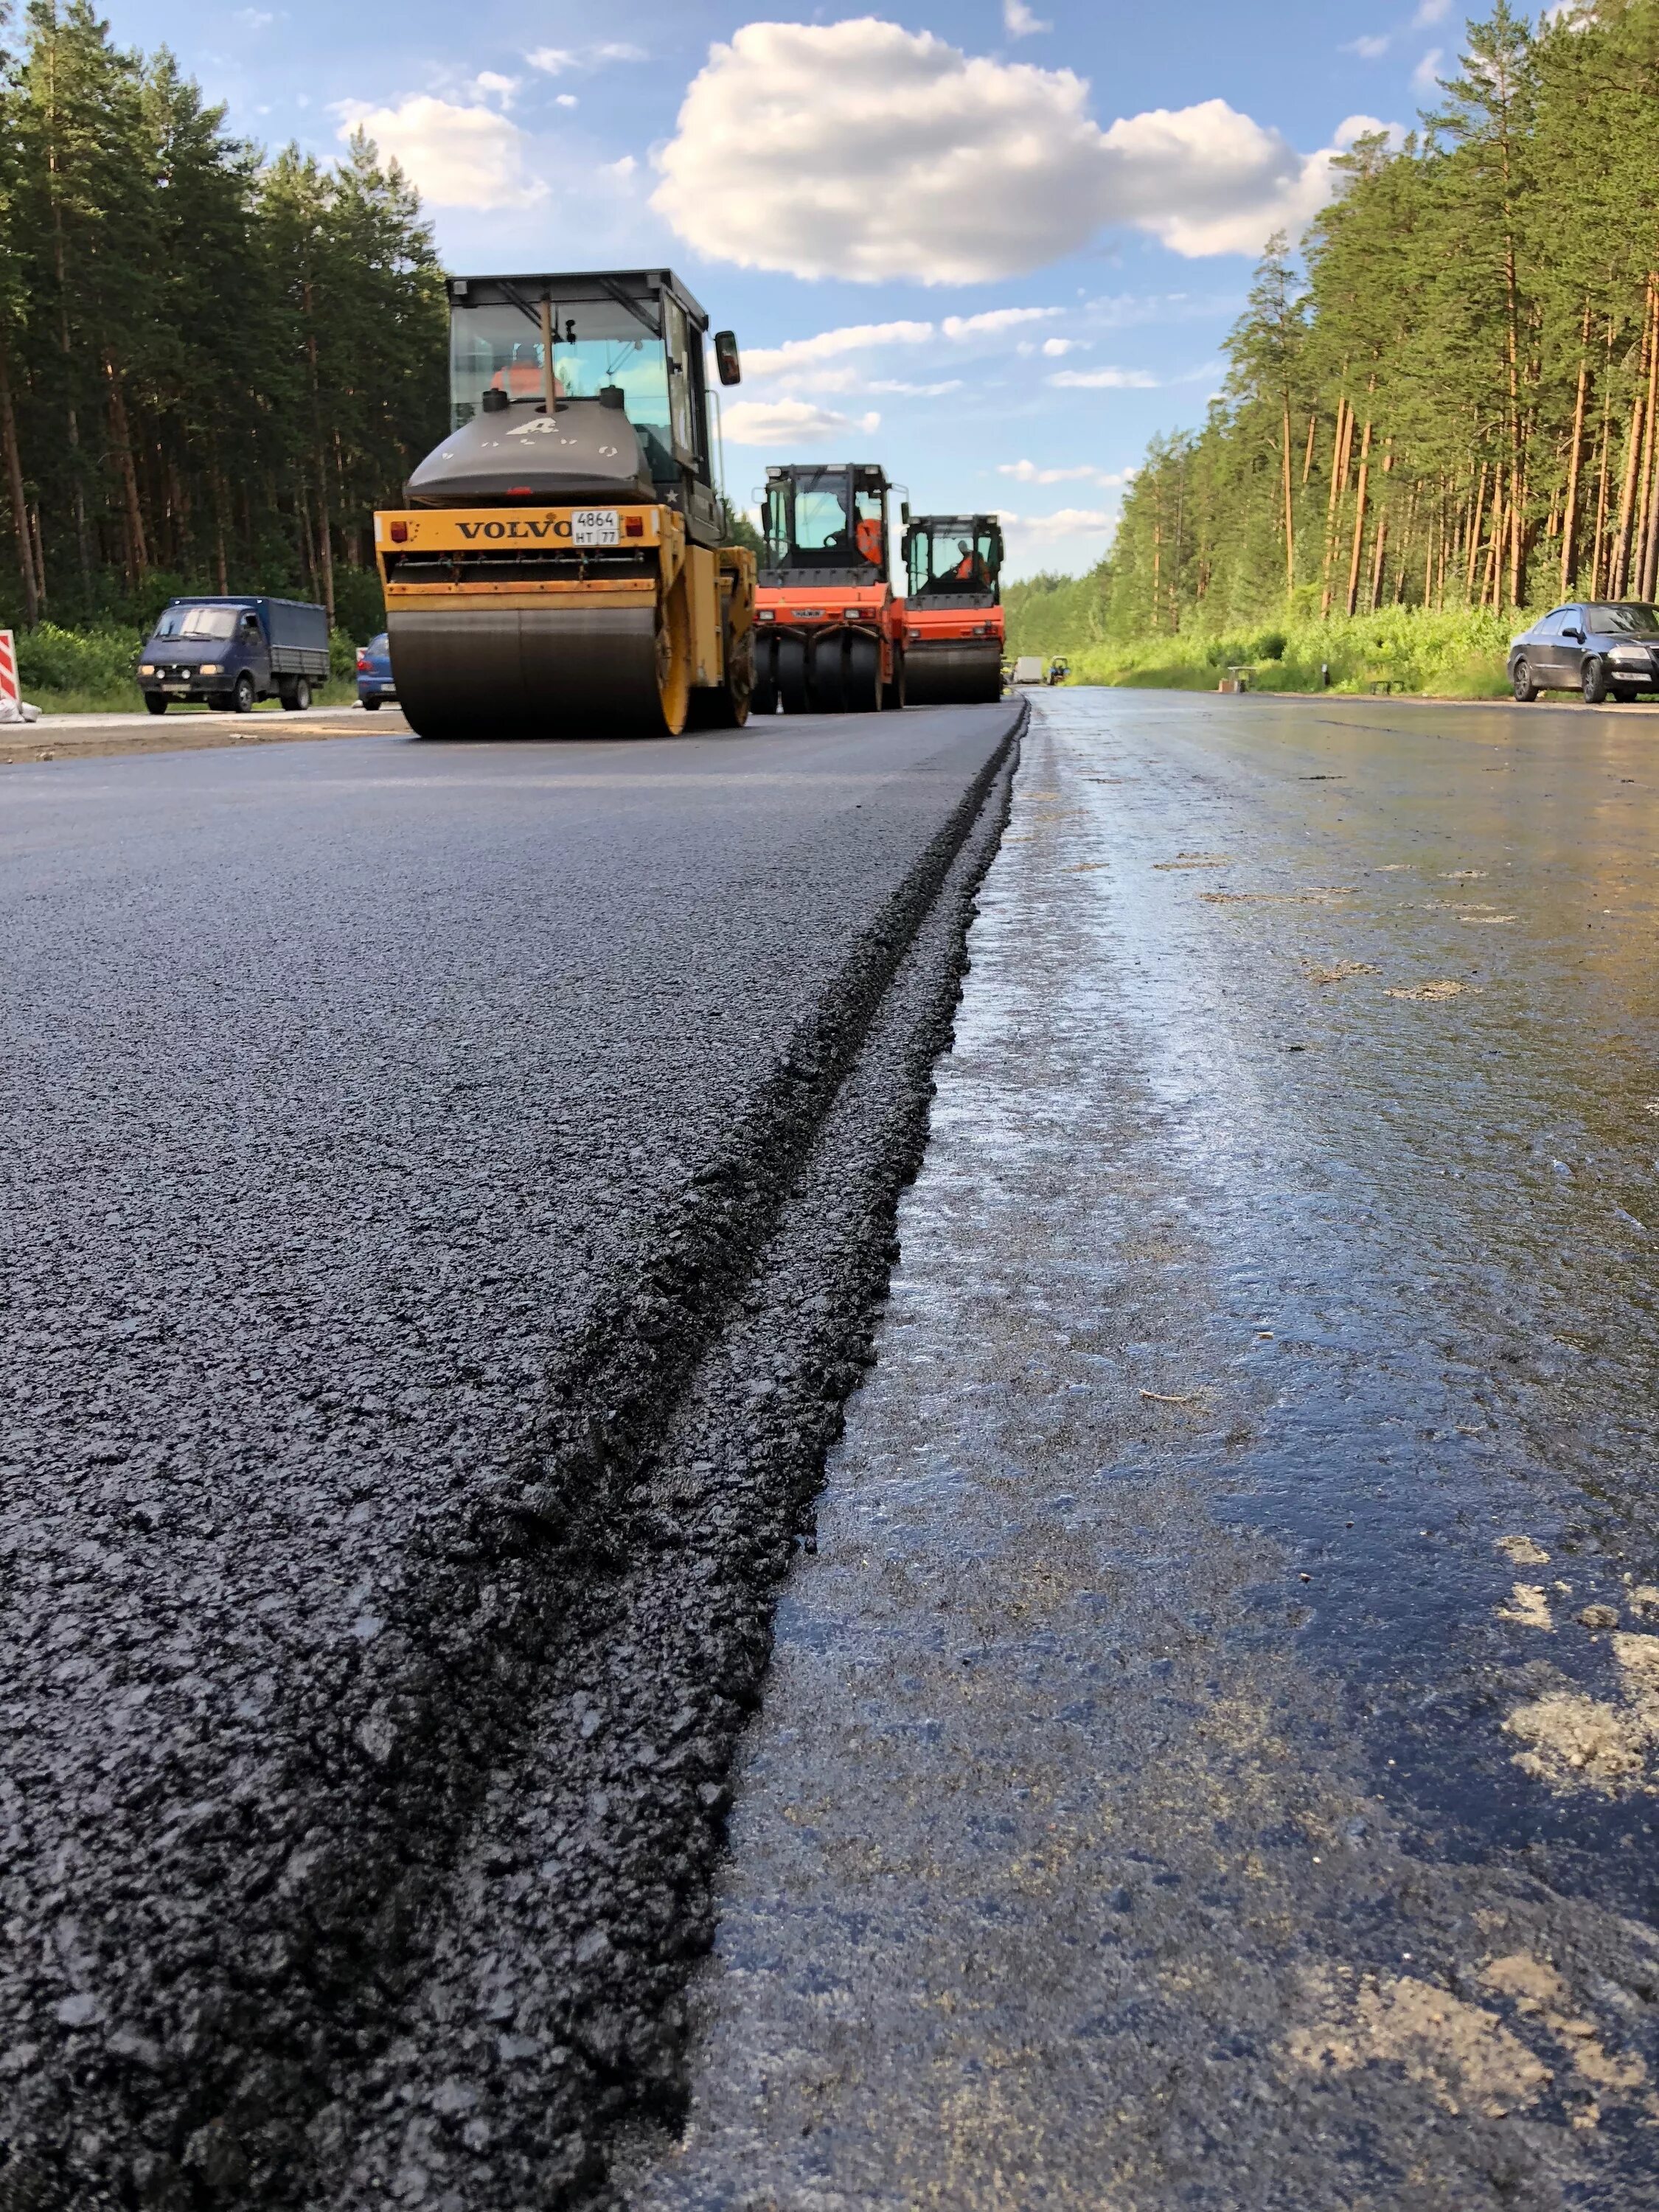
<point>992,245</point>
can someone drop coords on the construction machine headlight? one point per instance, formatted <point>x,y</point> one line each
<point>765,615</point>
<point>209,668</point>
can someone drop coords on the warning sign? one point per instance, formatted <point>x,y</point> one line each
<point>9,694</point>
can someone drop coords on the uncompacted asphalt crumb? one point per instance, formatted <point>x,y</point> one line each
<point>447,1192</point>
<point>1213,1758</point>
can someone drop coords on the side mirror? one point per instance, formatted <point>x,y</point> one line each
<point>904,511</point>
<point>1577,635</point>
<point>725,357</point>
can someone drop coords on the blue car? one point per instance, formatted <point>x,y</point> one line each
<point>375,673</point>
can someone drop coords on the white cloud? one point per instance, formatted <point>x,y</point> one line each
<point>851,338</point>
<point>861,149</point>
<point>1369,49</point>
<point>1104,380</point>
<point>1425,77</point>
<point>565,99</point>
<point>491,84</point>
<point>791,422</point>
<point>254,19</point>
<point>1019,21</point>
<point>915,390</point>
<point>621,170</point>
<point>1057,348</point>
<point>461,157</point>
<point>1029,472</point>
<point>556,61</point>
<point>993,321</point>
<point>1431,11</point>
<point>1068,522</point>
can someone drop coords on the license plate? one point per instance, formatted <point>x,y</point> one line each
<point>179,688</point>
<point>595,526</point>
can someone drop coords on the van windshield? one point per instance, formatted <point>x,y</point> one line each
<point>198,622</point>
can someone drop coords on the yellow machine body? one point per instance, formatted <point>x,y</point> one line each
<point>558,620</point>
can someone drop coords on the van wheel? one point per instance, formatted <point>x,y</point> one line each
<point>155,703</point>
<point>241,699</point>
<point>296,695</point>
<point>369,706</point>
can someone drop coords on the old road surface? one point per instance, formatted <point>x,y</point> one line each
<point>1211,1759</point>
<point>446,1192</point>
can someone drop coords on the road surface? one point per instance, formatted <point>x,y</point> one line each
<point>445,1194</point>
<point>1211,1758</point>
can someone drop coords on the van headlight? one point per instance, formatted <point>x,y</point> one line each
<point>146,668</point>
<point>209,668</point>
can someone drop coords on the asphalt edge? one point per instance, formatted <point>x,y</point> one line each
<point>188,2099</point>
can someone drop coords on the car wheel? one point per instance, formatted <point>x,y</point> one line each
<point>241,699</point>
<point>155,703</point>
<point>369,706</point>
<point>1525,689</point>
<point>1592,680</point>
<point>1623,698</point>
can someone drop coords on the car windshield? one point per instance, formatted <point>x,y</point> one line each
<point>1630,619</point>
<point>198,622</point>
<point>954,556</point>
<point>595,343</point>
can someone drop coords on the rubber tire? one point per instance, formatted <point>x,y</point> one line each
<point>829,685</point>
<point>792,675</point>
<point>1592,680</point>
<point>1623,698</point>
<point>1521,684</point>
<point>863,674</point>
<point>155,703</point>
<point>893,695</point>
<point>241,698</point>
<point>369,706</point>
<point>763,700</point>
<point>296,696</point>
<point>726,706</point>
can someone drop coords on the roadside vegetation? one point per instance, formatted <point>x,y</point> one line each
<point>1446,414</point>
<point>214,363</point>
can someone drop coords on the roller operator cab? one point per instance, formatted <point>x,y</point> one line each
<point>829,632</point>
<point>953,621</point>
<point>560,569</point>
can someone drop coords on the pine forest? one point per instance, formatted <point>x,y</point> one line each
<point>1448,412</point>
<point>213,363</point>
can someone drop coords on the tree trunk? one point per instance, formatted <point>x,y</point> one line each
<point>20,506</point>
<point>121,435</point>
<point>1290,516</point>
<point>1570,512</point>
<point>1618,567</point>
<point>1474,553</point>
<point>1340,450</point>
<point>1360,515</point>
<point>1307,458</point>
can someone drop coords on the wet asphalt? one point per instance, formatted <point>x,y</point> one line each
<point>1213,1758</point>
<point>445,1192</point>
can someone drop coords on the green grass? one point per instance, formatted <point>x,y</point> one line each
<point>1458,655</point>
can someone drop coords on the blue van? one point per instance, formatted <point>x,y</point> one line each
<point>231,653</point>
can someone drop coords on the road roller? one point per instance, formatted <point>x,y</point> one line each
<point>560,567</point>
<point>829,630</point>
<point>953,621</point>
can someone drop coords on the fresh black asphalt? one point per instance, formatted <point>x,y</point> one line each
<point>445,1191</point>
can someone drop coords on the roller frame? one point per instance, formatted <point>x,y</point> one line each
<point>508,628</point>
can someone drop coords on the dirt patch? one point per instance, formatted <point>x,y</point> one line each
<point>1444,986</point>
<point>1462,2054</point>
<point>1520,1551</point>
<point>1338,972</point>
<point>1194,860</point>
<point>1315,894</point>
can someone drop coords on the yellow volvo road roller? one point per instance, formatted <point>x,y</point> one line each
<point>558,570</point>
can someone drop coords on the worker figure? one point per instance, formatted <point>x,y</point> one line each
<point>868,535</point>
<point>970,569</point>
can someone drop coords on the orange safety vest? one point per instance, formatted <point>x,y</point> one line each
<point>868,535</point>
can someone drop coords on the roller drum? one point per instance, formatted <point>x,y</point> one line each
<point>954,675</point>
<point>528,672</point>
